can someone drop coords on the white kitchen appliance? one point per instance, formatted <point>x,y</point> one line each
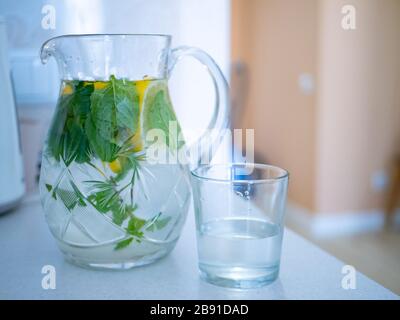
<point>12,185</point>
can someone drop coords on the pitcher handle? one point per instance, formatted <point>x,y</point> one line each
<point>220,118</point>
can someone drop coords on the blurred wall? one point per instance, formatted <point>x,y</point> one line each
<point>324,101</point>
<point>277,40</point>
<point>359,103</point>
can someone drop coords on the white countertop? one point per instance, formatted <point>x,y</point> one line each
<point>307,272</point>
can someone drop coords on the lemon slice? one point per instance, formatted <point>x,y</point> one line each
<point>67,89</point>
<point>98,85</point>
<point>158,112</point>
<point>115,166</point>
<point>137,140</point>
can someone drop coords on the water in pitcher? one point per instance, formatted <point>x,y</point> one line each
<point>106,205</point>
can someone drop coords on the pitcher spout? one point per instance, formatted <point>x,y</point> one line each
<point>47,50</point>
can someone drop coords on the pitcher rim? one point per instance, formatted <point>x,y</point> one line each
<point>284,175</point>
<point>84,35</point>
<point>44,55</point>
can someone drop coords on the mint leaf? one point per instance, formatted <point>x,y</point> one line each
<point>158,114</point>
<point>75,144</point>
<point>70,198</point>
<point>135,225</point>
<point>161,223</point>
<point>105,149</point>
<point>78,193</point>
<point>81,100</point>
<point>103,113</point>
<point>105,197</point>
<point>158,223</point>
<point>126,102</point>
<point>121,213</point>
<point>123,244</point>
<point>67,138</point>
<point>114,118</point>
<point>55,141</point>
<point>93,120</point>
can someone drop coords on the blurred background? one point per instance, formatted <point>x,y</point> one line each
<point>318,81</point>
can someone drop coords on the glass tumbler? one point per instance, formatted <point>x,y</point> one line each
<point>239,211</point>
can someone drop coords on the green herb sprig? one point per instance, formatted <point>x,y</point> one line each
<point>99,122</point>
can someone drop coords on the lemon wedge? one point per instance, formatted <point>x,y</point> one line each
<point>98,85</point>
<point>115,166</point>
<point>141,87</point>
<point>67,89</point>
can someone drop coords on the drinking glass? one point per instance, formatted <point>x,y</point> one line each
<point>239,211</point>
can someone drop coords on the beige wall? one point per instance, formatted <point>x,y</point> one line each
<point>333,141</point>
<point>359,102</point>
<point>266,34</point>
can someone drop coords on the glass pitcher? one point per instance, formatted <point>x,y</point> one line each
<point>106,204</point>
